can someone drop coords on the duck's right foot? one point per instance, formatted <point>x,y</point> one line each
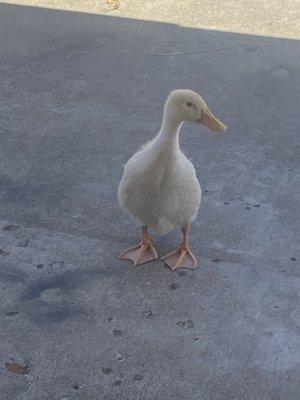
<point>180,258</point>
<point>183,256</point>
<point>140,254</point>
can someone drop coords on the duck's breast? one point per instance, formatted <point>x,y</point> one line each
<point>161,191</point>
<point>140,186</point>
<point>180,195</point>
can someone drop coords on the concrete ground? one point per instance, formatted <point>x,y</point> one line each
<point>79,93</point>
<point>268,17</point>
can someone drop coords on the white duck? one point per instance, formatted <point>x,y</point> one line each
<point>159,184</point>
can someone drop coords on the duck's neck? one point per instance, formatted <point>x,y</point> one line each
<point>168,136</point>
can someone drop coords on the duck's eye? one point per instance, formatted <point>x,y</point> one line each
<point>190,104</point>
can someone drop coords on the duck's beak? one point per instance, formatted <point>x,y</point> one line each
<point>208,119</point>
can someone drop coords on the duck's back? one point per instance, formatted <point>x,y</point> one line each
<point>160,190</point>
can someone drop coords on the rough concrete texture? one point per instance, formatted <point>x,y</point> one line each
<point>79,94</point>
<point>268,17</point>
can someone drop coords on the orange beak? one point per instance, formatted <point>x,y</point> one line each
<point>208,119</point>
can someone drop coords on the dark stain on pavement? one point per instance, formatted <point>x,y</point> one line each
<point>17,368</point>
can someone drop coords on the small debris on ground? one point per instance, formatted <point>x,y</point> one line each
<point>147,314</point>
<point>56,264</point>
<point>17,368</point>
<point>106,370</point>
<point>119,357</point>
<point>186,324</point>
<point>39,266</point>
<point>116,332</point>
<point>12,313</point>
<point>11,228</point>
<point>23,243</point>
<point>114,4</point>
<point>137,377</point>
<point>173,286</point>
<point>117,383</point>
<point>4,253</point>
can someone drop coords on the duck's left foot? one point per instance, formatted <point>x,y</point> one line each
<point>180,258</point>
<point>140,254</point>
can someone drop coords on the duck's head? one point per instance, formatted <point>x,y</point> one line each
<point>188,106</point>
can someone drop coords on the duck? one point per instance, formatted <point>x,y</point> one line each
<point>159,185</point>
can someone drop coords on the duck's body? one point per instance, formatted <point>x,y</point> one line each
<point>159,185</point>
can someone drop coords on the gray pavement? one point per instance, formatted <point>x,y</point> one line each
<point>79,93</point>
<point>269,17</point>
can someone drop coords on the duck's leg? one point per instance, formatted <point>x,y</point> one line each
<point>142,252</point>
<point>183,256</point>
